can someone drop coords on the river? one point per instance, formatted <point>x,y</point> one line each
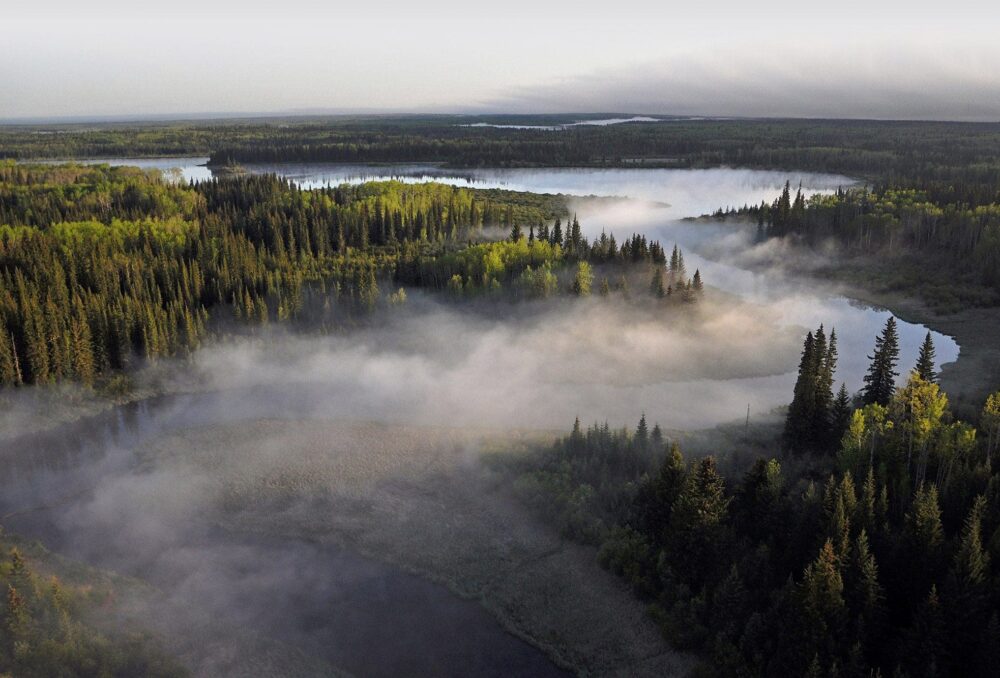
<point>387,621</point>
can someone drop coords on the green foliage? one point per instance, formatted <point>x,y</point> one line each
<point>44,632</point>
<point>101,267</point>
<point>814,416</point>
<point>925,360</point>
<point>942,242</point>
<point>880,382</point>
<point>773,576</point>
<point>583,280</point>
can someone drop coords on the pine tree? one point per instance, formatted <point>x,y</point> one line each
<point>642,432</point>
<point>10,371</point>
<point>923,521</point>
<point>841,412</point>
<point>824,364</point>
<point>971,567</point>
<point>695,520</point>
<point>515,233</point>
<point>866,595</point>
<point>651,511</point>
<point>822,595</point>
<point>880,382</point>
<point>800,413</point>
<point>925,643</point>
<point>557,234</point>
<point>925,361</point>
<point>656,287</point>
<point>575,237</point>
<point>697,285</point>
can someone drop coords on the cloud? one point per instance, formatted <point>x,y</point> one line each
<point>908,80</point>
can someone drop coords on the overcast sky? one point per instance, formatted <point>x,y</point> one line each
<point>888,59</point>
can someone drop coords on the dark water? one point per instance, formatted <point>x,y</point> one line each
<point>362,615</point>
<point>366,616</point>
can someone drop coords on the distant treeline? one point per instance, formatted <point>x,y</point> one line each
<point>953,162</point>
<point>955,240</point>
<point>102,266</point>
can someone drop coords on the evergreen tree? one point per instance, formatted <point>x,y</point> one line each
<point>822,595</point>
<point>925,361</point>
<point>801,412</point>
<point>696,518</point>
<point>880,381</point>
<point>557,233</point>
<point>824,364</point>
<point>866,595</point>
<point>840,414</point>
<point>656,287</point>
<point>642,432</point>
<point>970,570</point>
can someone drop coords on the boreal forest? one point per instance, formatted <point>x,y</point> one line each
<point>533,395</point>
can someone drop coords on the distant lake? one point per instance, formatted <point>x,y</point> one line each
<point>656,202</point>
<point>579,123</point>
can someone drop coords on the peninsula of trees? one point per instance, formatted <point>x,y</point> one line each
<point>101,267</point>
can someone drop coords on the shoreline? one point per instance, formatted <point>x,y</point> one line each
<point>971,377</point>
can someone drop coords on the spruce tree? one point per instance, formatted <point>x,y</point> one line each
<point>656,287</point>
<point>800,413</point>
<point>557,234</point>
<point>642,432</point>
<point>880,382</point>
<point>840,415</point>
<point>925,361</point>
<point>866,596</point>
<point>824,364</point>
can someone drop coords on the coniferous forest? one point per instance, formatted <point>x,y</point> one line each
<point>103,267</point>
<point>866,547</point>
<point>499,340</point>
<point>425,336</point>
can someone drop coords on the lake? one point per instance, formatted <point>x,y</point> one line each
<point>88,483</point>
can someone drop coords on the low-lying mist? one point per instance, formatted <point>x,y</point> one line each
<point>247,496</point>
<point>533,365</point>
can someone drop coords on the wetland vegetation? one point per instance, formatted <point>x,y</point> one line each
<point>278,420</point>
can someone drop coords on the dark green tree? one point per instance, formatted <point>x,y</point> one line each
<point>925,360</point>
<point>880,381</point>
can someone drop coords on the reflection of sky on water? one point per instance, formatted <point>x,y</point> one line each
<point>659,199</point>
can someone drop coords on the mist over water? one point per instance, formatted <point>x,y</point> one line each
<point>576,359</point>
<point>235,500</point>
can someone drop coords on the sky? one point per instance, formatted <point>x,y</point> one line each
<point>890,59</point>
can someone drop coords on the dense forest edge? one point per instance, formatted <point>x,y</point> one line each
<point>863,547</point>
<point>102,268</point>
<point>937,247</point>
<point>929,256</point>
